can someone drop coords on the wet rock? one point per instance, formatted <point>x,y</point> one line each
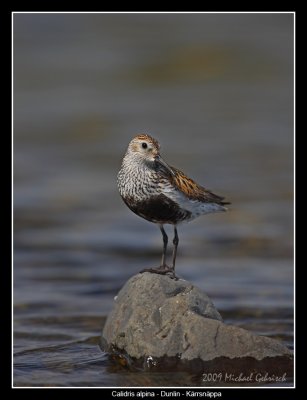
<point>155,316</point>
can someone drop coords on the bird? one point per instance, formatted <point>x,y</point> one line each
<point>162,194</point>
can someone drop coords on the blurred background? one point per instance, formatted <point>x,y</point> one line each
<point>217,91</point>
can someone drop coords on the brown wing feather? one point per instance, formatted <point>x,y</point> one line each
<point>193,190</point>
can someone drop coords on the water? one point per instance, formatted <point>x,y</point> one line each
<point>217,91</point>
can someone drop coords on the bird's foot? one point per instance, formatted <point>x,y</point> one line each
<point>162,270</point>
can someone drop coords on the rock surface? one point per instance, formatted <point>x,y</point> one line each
<point>155,316</point>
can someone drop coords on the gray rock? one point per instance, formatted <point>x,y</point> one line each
<point>155,316</point>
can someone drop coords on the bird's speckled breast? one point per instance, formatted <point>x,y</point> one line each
<point>142,191</point>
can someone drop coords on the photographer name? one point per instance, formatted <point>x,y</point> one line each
<point>255,377</point>
<point>242,378</point>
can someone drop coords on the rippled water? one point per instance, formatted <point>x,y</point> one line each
<point>216,90</point>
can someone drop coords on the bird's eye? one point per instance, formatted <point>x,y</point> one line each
<point>144,145</point>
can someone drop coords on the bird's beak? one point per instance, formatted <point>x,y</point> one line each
<point>160,161</point>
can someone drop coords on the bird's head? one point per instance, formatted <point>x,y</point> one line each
<point>146,149</point>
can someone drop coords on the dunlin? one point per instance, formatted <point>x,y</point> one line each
<point>162,194</point>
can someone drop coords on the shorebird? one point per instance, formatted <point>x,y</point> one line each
<point>162,194</point>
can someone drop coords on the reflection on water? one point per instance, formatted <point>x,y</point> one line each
<point>216,90</point>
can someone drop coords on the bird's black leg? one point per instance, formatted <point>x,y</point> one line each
<point>175,242</point>
<point>164,269</point>
<point>165,241</point>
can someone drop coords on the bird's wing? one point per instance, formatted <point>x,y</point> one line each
<point>193,190</point>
